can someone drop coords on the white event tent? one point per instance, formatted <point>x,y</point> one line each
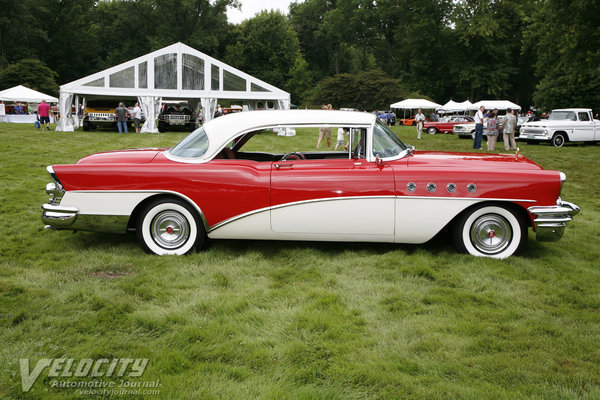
<point>499,104</point>
<point>453,106</point>
<point>174,72</point>
<point>25,95</point>
<point>413,104</point>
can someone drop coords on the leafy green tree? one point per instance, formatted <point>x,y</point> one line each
<point>366,90</point>
<point>565,37</point>
<point>32,74</point>
<point>268,49</point>
<point>22,33</point>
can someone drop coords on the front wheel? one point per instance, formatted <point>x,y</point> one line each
<point>490,231</point>
<point>169,226</point>
<point>558,140</point>
<point>431,131</point>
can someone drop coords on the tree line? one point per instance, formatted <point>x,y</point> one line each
<point>354,53</point>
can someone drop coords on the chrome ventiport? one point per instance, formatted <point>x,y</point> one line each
<point>411,186</point>
<point>451,188</point>
<point>471,188</point>
<point>431,187</point>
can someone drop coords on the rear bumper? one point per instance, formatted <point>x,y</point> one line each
<point>60,218</point>
<point>550,221</point>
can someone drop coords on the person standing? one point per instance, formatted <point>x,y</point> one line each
<point>493,125</point>
<point>121,114</point>
<point>420,120</point>
<point>478,128</point>
<point>325,132</point>
<point>137,117</point>
<point>44,113</point>
<point>510,124</point>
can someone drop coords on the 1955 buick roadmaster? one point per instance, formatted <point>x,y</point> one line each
<point>378,190</point>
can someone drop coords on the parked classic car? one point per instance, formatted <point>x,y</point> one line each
<point>565,125</point>
<point>378,190</point>
<point>446,124</point>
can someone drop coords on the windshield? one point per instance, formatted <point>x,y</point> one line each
<point>385,143</point>
<point>195,145</point>
<point>562,116</point>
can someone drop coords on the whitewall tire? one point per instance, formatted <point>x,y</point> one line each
<point>169,226</point>
<point>490,231</point>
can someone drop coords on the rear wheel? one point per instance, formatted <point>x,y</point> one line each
<point>169,226</point>
<point>431,131</point>
<point>489,231</point>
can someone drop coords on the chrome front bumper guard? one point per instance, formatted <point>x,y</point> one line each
<point>550,221</point>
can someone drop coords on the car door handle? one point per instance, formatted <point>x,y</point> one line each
<point>284,165</point>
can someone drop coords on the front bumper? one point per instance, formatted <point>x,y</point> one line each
<point>550,221</point>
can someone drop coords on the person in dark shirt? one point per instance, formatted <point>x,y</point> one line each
<point>121,115</point>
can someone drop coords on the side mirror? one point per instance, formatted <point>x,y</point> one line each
<point>378,161</point>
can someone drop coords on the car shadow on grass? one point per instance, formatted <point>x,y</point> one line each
<point>237,247</point>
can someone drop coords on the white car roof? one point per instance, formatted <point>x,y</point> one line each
<point>224,129</point>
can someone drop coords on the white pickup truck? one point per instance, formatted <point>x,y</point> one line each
<point>565,125</point>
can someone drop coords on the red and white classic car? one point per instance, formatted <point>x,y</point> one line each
<point>379,190</point>
<point>446,124</point>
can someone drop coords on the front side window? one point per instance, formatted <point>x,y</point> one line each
<point>195,145</point>
<point>583,116</point>
<point>385,143</point>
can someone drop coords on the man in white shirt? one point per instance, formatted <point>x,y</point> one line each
<point>478,128</point>
<point>419,119</point>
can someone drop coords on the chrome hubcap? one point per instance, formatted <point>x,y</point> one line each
<point>491,233</point>
<point>170,229</point>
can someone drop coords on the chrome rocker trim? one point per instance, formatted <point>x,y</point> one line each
<point>550,221</point>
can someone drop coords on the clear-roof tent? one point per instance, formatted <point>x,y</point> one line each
<point>175,72</point>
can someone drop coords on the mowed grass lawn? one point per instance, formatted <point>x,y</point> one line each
<point>298,320</point>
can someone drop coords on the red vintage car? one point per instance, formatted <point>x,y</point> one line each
<point>378,190</point>
<point>446,124</point>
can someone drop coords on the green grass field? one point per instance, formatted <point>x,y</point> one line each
<point>297,320</point>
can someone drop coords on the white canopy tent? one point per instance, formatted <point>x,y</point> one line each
<point>499,104</point>
<point>413,104</point>
<point>175,72</point>
<point>26,95</point>
<point>453,106</point>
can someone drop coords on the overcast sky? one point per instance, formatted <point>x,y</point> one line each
<point>252,7</point>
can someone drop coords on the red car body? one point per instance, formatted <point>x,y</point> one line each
<point>380,190</point>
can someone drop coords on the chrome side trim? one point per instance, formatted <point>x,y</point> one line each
<point>550,221</point>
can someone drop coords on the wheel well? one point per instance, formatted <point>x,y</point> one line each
<point>520,212</point>
<point>565,134</point>
<point>135,214</point>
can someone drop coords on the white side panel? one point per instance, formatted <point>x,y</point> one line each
<point>346,216</point>
<point>257,226</point>
<point>420,219</point>
<point>104,203</point>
